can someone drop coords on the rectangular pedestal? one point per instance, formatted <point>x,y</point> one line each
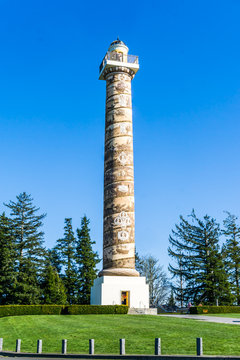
<point>115,290</point>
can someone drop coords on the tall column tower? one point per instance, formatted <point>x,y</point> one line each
<point>118,69</point>
<point>119,282</point>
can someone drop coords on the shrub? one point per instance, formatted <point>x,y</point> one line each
<point>205,309</point>
<point>13,310</point>
<point>96,309</point>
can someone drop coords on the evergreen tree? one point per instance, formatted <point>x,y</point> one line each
<point>171,300</point>
<point>231,253</point>
<point>7,261</point>
<point>28,240</point>
<point>87,260</point>
<point>197,244</point>
<point>138,262</point>
<point>55,259</point>
<point>66,247</point>
<point>53,289</point>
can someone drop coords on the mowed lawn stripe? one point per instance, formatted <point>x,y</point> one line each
<point>178,335</point>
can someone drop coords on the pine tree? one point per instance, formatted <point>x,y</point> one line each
<point>66,248</point>
<point>197,244</point>
<point>55,259</point>
<point>7,261</point>
<point>171,300</point>
<point>87,261</point>
<point>53,289</point>
<point>29,248</point>
<point>138,261</point>
<point>231,253</point>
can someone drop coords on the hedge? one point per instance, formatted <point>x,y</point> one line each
<point>14,310</point>
<point>96,309</point>
<point>205,309</point>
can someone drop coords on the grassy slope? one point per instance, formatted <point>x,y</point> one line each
<point>178,335</point>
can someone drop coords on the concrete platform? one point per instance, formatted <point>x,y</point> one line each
<point>140,311</point>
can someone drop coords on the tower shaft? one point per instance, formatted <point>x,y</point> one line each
<point>119,217</point>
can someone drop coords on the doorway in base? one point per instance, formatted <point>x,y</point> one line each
<point>125,298</point>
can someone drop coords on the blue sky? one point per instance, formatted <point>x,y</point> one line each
<point>186,110</point>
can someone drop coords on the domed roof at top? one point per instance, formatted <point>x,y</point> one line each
<point>117,42</point>
<point>118,45</point>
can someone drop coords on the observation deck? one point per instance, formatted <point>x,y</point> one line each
<point>113,58</point>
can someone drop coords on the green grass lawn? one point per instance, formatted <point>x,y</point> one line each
<point>178,335</point>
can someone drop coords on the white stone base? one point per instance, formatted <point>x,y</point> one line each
<point>107,290</point>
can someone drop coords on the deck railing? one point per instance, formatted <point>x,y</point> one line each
<point>115,56</point>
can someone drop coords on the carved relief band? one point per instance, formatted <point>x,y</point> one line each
<point>119,219</point>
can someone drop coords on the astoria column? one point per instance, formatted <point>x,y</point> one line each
<point>118,69</point>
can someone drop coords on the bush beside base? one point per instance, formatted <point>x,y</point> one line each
<point>14,310</point>
<point>205,309</point>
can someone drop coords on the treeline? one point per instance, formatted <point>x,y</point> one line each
<point>204,272</point>
<point>32,274</point>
